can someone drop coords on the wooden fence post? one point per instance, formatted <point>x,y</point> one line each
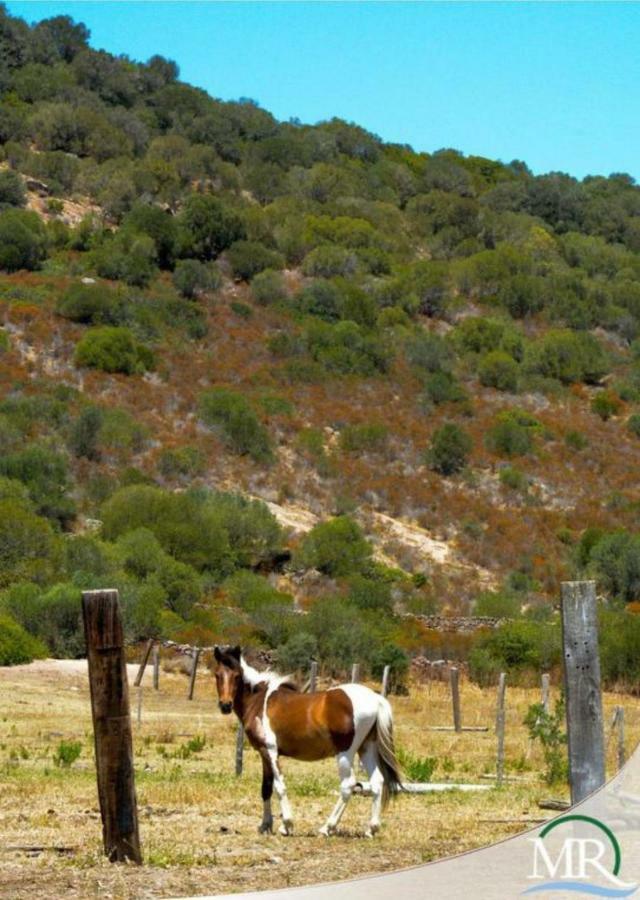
<point>455,698</point>
<point>500,729</point>
<point>111,725</point>
<point>385,681</point>
<point>239,748</point>
<point>620,729</point>
<point>585,733</point>
<point>314,676</point>
<point>140,705</point>
<point>545,692</point>
<point>194,669</point>
<point>156,667</point>
<point>355,673</point>
<point>143,664</point>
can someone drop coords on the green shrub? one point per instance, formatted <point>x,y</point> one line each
<point>192,277</point>
<point>606,404</point>
<point>429,352</point>
<point>23,240</point>
<point>521,647</point>
<point>499,370</point>
<point>158,225</point>
<point>367,593</point>
<point>91,304</point>
<point>417,768</point>
<point>243,430</point>
<point>450,449</point>
<point>336,547</point>
<point>633,424</point>
<point>183,461</point>
<point>12,191</point>
<point>347,349</point>
<point>369,437</point>
<point>127,257</point>
<point>513,478</point>
<point>251,592</point>
<point>510,435</point>
<point>619,633</point>
<point>113,350</point>
<point>209,226</point>
<point>442,387</point>
<point>268,287</point>
<point>45,473</point>
<point>16,645</point>
<point>85,432</point>
<point>67,753</point>
<point>567,356</point>
<point>547,728</point>
<point>249,258</point>
<point>328,260</point>
<point>498,604</point>
<point>321,298</point>
<point>296,653</point>
<point>575,440</point>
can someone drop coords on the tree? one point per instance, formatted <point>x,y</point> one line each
<point>113,350</point>
<point>210,226</point>
<point>240,425</point>
<point>248,258</point>
<point>192,277</point>
<point>336,547</point>
<point>23,240</point>
<point>450,449</point>
<point>12,192</point>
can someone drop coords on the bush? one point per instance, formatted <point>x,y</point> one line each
<point>497,604</point>
<point>328,260</point>
<point>209,226</point>
<point>158,225</point>
<point>369,437</point>
<point>12,192</point>
<point>67,753</point>
<point>606,404</point>
<point>192,277</point>
<point>113,350</point>
<point>252,592</point>
<point>242,428</point>
<point>442,387</point>
<point>249,258</point>
<point>45,473</point>
<point>91,304</point>
<point>567,356</point>
<point>499,370</point>
<point>268,287</point>
<point>336,547</point>
<point>296,653</point>
<point>367,593</point>
<point>511,435</point>
<point>23,240</point>
<point>16,645</point>
<point>520,647</point>
<point>450,449</point>
<point>127,257</point>
<point>85,431</point>
<point>633,424</point>
<point>183,461</point>
<point>321,298</point>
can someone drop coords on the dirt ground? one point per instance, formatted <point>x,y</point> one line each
<point>198,823</point>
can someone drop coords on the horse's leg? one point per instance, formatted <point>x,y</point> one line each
<point>347,783</point>
<point>266,826</point>
<point>281,790</point>
<point>369,757</point>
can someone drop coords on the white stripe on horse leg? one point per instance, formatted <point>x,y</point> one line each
<point>369,757</point>
<point>279,785</point>
<point>347,783</point>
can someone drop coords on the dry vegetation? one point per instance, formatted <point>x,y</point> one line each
<point>199,823</point>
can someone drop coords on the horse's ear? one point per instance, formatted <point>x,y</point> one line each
<point>236,651</point>
<point>217,654</point>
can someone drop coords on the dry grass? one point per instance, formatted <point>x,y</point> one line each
<point>198,823</point>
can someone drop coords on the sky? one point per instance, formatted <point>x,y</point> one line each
<point>556,84</point>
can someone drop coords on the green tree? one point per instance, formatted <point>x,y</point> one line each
<point>210,226</point>
<point>336,547</point>
<point>229,410</point>
<point>113,350</point>
<point>23,240</point>
<point>450,449</point>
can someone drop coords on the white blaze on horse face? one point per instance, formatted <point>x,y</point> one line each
<point>271,743</point>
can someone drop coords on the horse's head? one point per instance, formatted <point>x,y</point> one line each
<point>228,676</point>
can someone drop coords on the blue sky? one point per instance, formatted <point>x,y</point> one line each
<point>555,84</point>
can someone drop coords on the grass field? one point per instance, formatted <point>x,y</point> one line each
<point>199,823</point>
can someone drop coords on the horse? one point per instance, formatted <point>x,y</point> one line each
<point>279,721</point>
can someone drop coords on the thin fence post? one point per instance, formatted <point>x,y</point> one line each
<point>455,698</point>
<point>143,664</point>
<point>545,692</point>
<point>239,748</point>
<point>620,724</point>
<point>500,729</point>
<point>194,670</point>
<point>139,704</point>
<point>111,725</point>
<point>385,681</point>
<point>314,676</point>
<point>585,732</point>
<point>355,673</point>
<point>156,667</point>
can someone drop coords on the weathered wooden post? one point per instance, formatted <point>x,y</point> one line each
<point>140,705</point>
<point>111,725</point>
<point>545,692</point>
<point>314,676</point>
<point>502,683</point>
<point>619,721</point>
<point>385,681</point>
<point>194,670</point>
<point>585,733</point>
<point>355,673</point>
<point>156,667</point>
<point>239,748</point>
<point>455,698</point>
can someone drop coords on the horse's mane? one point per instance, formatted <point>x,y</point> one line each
<point>271,680</point>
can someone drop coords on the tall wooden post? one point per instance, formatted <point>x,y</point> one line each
<point>545,692</point>
<point>619,726</point>
<point>455,698</point>
<point>143,664</point>
<point>140,705</point>
<point>585,731</point>
<point>111,725</point>
<point>500,729</point>
<point>239,748</point>
<point>314,677</point>
<point>355,673</point>
<point>194,670</point>
<point>385,681</point>
<point>156,667</point>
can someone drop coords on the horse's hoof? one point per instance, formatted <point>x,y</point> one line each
<point>286,828</point>
<point>265,828</point>
<point>327,831</point>
<point>371,831</point>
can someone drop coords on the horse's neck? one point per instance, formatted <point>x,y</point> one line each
<point>246,698</point>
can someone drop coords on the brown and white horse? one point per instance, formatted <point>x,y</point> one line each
<point>280,721</point>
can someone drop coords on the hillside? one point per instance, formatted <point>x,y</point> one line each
<point>252,368</point>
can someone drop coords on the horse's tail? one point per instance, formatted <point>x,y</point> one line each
<point>387,761</point>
